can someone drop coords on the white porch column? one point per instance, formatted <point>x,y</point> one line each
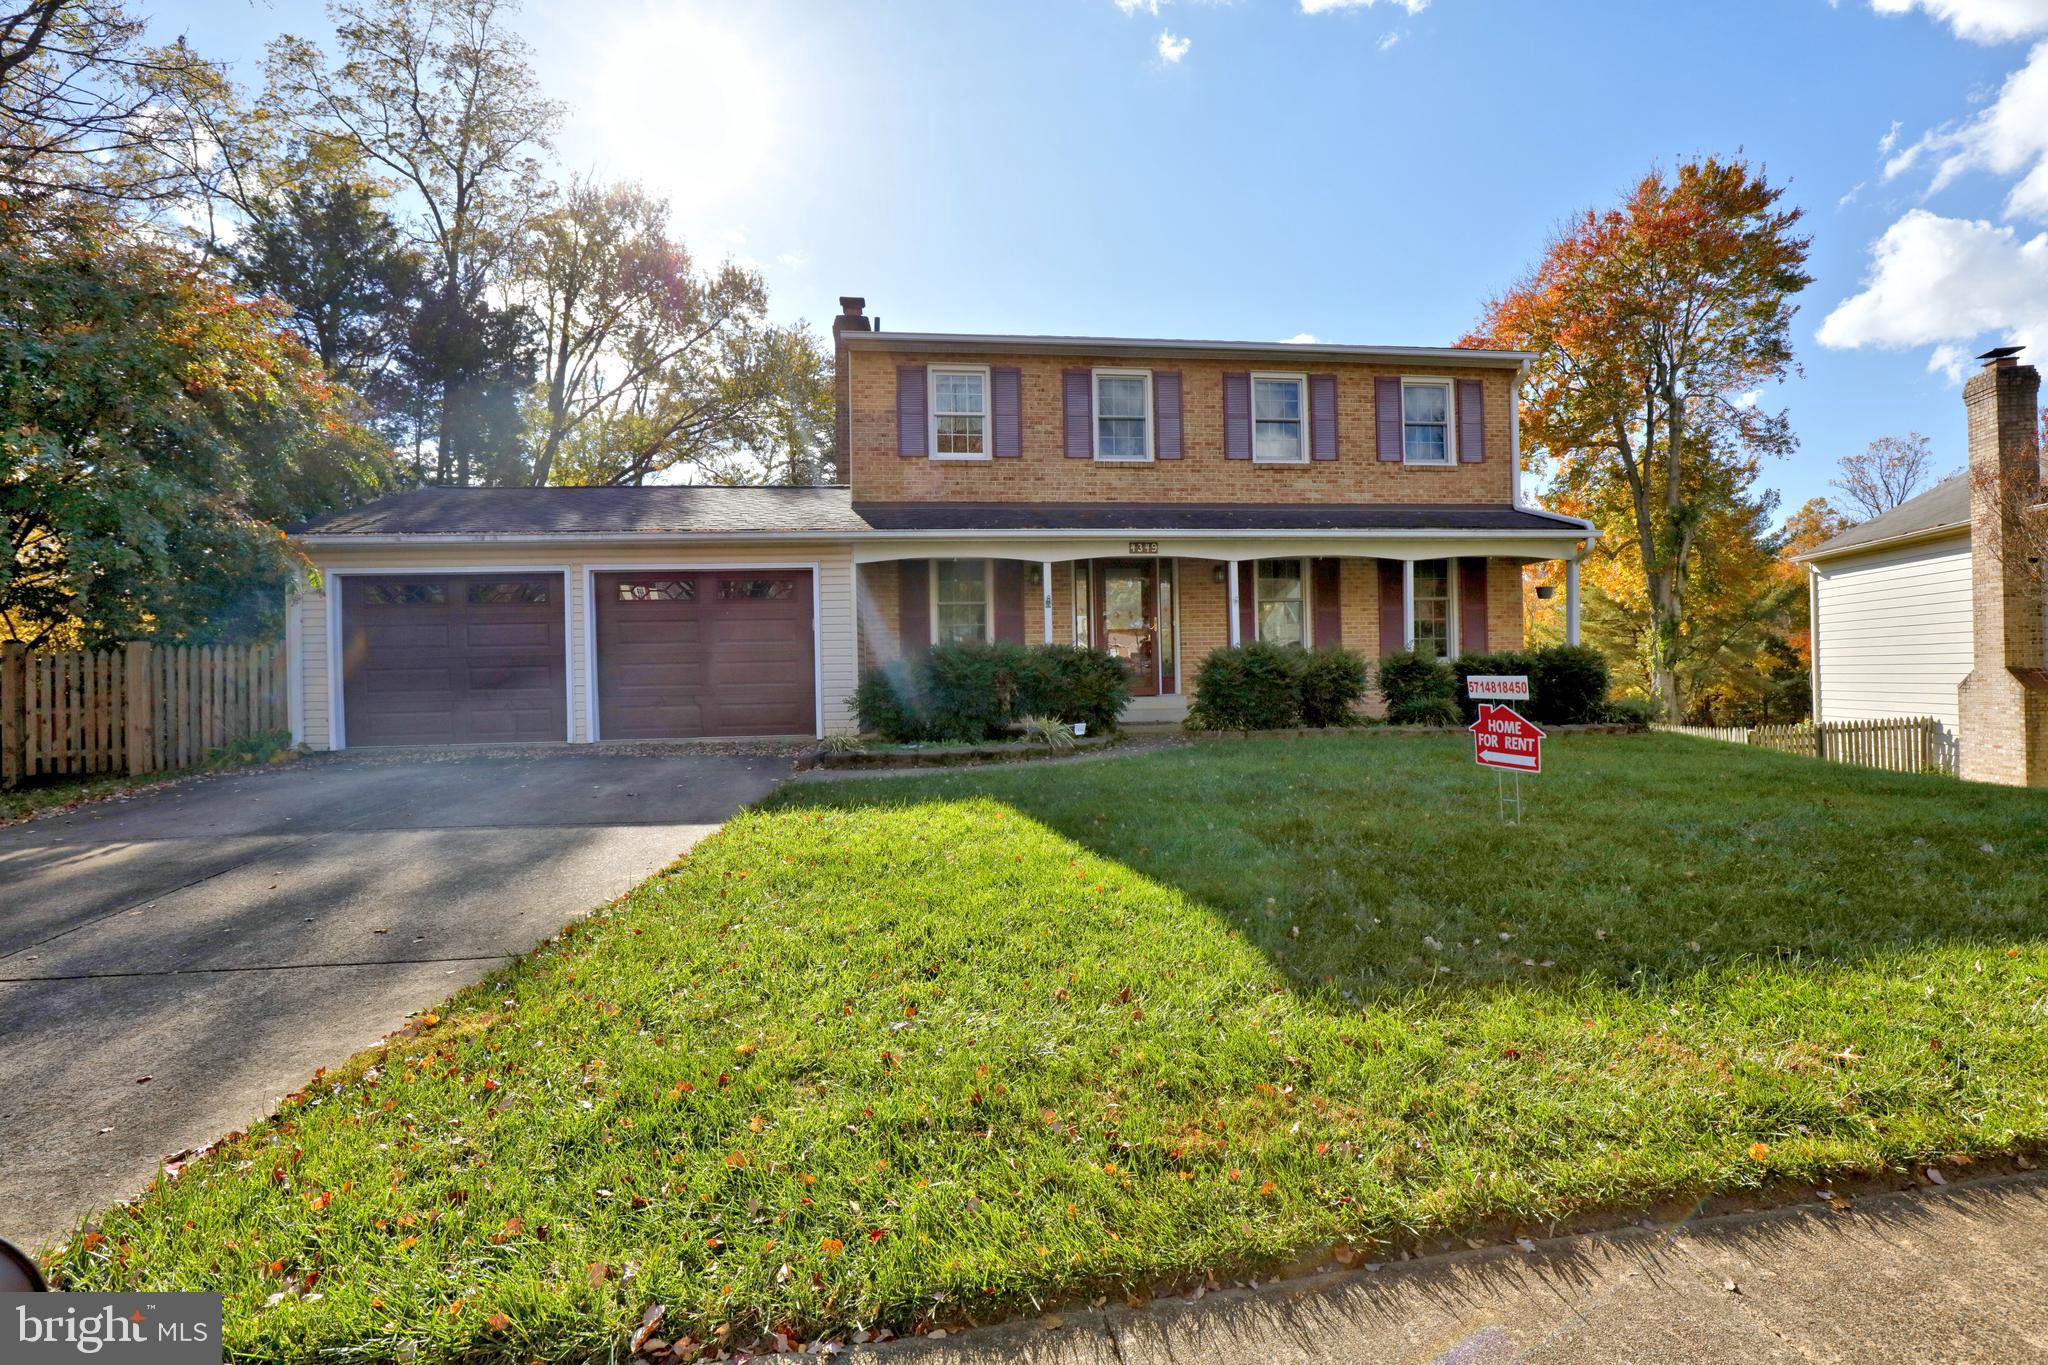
<point>1045,578</point>
<point>1231,569</point>
<point>1571,600</point>
<point>1407,604</point>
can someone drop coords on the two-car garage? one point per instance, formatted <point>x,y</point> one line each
<point>477,658</point>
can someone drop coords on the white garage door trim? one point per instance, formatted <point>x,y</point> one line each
<point>332,580</point>
<point>591,571</point>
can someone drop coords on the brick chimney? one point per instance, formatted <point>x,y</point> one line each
<point>852,318</point>
<point>2004,700</point>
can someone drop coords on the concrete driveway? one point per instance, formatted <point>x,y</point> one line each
<point>172,965</point>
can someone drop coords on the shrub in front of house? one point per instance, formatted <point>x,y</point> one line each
<point>1333,682</point>
<point>1568,685</point>
<point>1074,683</point>
<point>1419,689</point>
<point>1629,711</point>
<point>968,693</point>
<point>889,702</point>
<point>1255,686</point>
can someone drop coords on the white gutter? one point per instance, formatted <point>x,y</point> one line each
<point>1573,527</point>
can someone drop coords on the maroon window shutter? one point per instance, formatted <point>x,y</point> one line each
<point>1009,590</point>
<point>1472,605</point>
<point>1325,601</point>
<point>1006,408</point>
<point>1237,416</point>
<point>1471,421</point>
<point>911,436</point>
<point>1166,414</point>
<point>914,602</point>
<point>1393,608</point>
<point>1077,388</point>
<point>1322,416</point>
<point>1247,601</point>
<point>1386,403</point>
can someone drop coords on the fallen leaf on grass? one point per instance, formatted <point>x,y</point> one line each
<point>497,1322</point>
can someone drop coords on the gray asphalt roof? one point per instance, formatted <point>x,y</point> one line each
<point>831,511</point>
<point>1947,504</point>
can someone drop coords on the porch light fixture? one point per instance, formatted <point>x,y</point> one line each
<point>1222,572</point>
<point>1545,591</point>
<point>1035,575</point>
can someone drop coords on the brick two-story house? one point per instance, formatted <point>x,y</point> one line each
<point>1158,498</point>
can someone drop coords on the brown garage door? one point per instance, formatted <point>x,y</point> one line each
<point>452,659</point>
<point>683,654</point>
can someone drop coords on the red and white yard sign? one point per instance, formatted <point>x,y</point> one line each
<point>1502,739</point>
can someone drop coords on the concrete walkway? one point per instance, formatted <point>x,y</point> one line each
<point>1958,1273</point>
<point>173,964</point>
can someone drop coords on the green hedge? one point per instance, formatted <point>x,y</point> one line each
<point>966,693</point>
<point>1419,689</point>
<point>1261,686</point>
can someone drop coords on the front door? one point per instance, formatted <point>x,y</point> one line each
<point>1127,619</point>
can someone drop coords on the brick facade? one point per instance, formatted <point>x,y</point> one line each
<point>2003,703</point>
<point>1203,475</point>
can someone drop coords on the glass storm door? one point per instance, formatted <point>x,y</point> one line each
<point>1128,619</point>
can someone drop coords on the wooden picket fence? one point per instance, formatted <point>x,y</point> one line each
<point>1906,744</point>
<point>138,708</point>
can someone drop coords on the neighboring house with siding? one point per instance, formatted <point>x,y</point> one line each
<point>1916,613</point>
<point>1891,607</point>
<point>1157,498</point>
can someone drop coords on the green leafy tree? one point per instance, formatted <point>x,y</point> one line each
<point>156,433</point>
<point>333,255</point>
<point>439,97</point>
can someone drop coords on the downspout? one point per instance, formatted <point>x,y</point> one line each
<point>1813,638</point>
<point>1515,433</point>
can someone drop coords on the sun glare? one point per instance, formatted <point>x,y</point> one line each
<point>693,108</point>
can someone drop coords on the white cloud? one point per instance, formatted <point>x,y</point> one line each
<point>1131,7</point>
<point>2009,138</point>
<point>1387,40</point>
<point>1299,339</point>
<point>1749,399</point>
<point>1172,47</point>
<point>793,260</point>
<point>1981,21</point>
<point>1945,282</point>
<point>1325,6</point>
<point>1850,197</point>
<point>1890,139</point>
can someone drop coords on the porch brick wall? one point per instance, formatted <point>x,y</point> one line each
<point>1044,473</point>
<point>1503,604</point>
<point>878,614</point>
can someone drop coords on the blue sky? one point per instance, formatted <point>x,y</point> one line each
<point>1359,172</point>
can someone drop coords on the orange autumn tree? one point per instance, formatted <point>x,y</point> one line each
<point>1655,324</point>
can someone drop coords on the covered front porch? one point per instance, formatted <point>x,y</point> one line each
<point>1162,605</point>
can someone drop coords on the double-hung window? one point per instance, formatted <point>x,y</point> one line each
<point>1279,419</point>
<point>959,412</point>
<point>1426,436</point>
<point>1432,608</point>
<point>960,601</point>
<point>1281,590</point>
<point>1123,414</point>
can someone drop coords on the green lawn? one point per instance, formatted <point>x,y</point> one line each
<point>900,1052</point>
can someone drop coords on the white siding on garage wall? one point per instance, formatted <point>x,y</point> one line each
<point>834,588</point>
<point>1895,632</point>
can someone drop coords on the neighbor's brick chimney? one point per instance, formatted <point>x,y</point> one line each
<point>2004,701</point>
<point>852,318</point>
